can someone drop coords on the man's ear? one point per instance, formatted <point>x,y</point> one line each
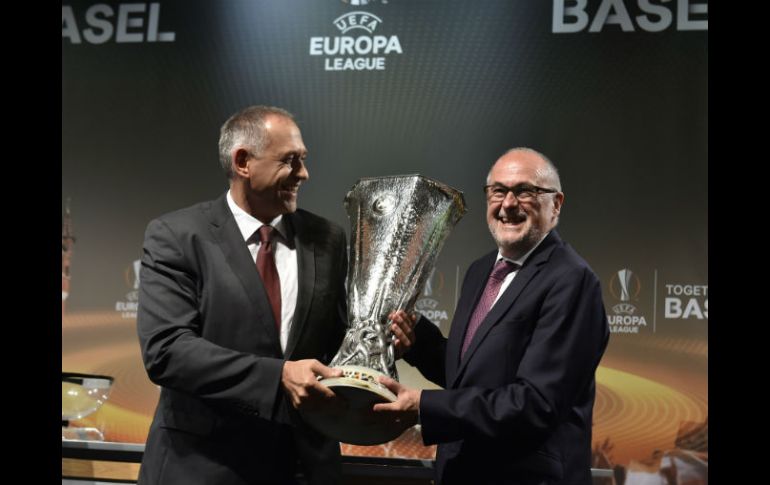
<point>240,159</point>
<point>558,200</point>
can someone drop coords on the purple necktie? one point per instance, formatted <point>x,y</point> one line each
<point>269,273</point>
<point>499,272</point>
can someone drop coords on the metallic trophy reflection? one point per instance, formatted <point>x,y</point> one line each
<point>398,226</point>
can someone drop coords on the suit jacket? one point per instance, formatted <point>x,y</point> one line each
<point>208,338</point>
<point>517,407</point>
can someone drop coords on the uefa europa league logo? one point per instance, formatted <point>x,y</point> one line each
<point>626,289</point>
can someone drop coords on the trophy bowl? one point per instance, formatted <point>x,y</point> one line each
<point>398,225</point>
<point>81,396</point>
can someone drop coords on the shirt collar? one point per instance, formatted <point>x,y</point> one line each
<point>520,261</point>
<point>248,224</point>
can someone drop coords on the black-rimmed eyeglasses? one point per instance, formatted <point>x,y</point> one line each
<point>522,192</point>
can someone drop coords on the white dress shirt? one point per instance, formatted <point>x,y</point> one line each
<point>285,261</point>
<point>512,274</point>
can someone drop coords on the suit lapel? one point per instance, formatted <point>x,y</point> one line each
<point>464,312</point>
<point>305,277</point>
<point>228,236</point>
<point>530,269</point>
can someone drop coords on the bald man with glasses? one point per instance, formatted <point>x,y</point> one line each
<point>518,368</point>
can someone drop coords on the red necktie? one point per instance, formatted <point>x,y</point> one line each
<point>269,273</point>
<point>500,271</point>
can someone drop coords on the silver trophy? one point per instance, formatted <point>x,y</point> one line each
<point>398,225</point>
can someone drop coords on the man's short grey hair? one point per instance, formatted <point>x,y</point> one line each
<point>549,174</point>
<point>246,129</point>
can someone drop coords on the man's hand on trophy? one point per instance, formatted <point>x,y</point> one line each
<point>403,331</point>
<point>405,409</point>
<point>300,381</point>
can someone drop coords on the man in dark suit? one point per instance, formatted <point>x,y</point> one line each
<point>527,335</point>
<point>241,302</point>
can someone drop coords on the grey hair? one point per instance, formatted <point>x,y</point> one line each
<point>548,173</point>
<point>246,129</point>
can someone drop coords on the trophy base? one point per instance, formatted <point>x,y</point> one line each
<point>357,423</point>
